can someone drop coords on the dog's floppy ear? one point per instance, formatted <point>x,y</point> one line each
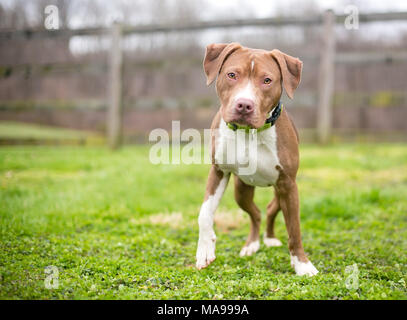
<point>215,55</point>
<point>290,71</point>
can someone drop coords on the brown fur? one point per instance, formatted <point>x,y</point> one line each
<point>244,195</point>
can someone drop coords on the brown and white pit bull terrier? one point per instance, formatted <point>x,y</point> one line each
<point>249,83</point>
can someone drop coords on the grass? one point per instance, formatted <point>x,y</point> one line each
<point>118,227</point>
<point>17,131</point>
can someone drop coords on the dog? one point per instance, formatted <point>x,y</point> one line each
<point>249,84</point>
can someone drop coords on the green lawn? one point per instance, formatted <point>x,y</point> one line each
<point>118,227</point>
<point>18,131</point>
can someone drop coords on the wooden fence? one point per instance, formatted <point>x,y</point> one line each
<point>327,58</point>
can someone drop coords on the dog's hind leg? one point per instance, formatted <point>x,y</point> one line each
<point>244,195</point>
<point>273,209</point>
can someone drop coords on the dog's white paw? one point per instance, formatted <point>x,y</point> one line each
<point>250,249</point>
<point>303,268</point>
<point>272,242</point>
<point>205,254</point>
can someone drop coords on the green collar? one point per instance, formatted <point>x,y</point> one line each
<point>268,124</point>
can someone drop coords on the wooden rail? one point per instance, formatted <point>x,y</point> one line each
<point>100,68</point>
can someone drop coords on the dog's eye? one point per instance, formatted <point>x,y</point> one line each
<point>267,81</point>
<point>232,75</point>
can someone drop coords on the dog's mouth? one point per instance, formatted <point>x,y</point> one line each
<point>248,121</point>
<point>253,120</point>
<point>242,122</point>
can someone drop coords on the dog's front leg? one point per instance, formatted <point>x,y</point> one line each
<point>288,196</point>
<point>216,185</point>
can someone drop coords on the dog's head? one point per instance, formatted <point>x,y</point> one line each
<point>249,82</point>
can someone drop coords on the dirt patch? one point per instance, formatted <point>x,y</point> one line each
<point>172,219</point>
<point>226,221</point>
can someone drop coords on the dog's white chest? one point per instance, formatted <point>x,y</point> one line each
<point>253,161</point>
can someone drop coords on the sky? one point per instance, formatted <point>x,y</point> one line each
<point>262,8</point>
<point>268,8</point>
<point>219,9</point>
<point>211,9</point>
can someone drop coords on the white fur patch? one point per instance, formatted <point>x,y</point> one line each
<point>247,92</point>
<point>303,268</point>
<point>272,242</point>
<point>250,249</point>
<point>252,65</point>
<point>205,252</point>
<point>263,158</point>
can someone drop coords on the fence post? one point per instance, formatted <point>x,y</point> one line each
<point>326,78</point>
<point>114,112</point>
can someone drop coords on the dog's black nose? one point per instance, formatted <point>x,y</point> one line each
<point>244,106</point>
